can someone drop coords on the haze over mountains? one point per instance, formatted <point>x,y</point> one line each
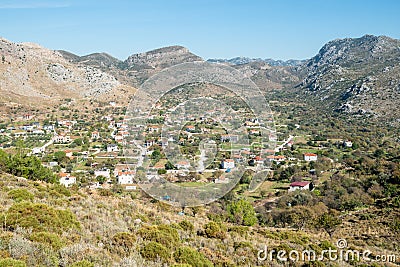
<point>353,75</point>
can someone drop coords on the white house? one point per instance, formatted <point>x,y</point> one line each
<point>228,164</point>
<point>310,157</point>
<point>112,148</point>
<point>229,138</point>
<point>48,127</point>
<point>37,150</point>
<point>182,165</point>
<point>348,143</point>
<point>66,179</point>
<point>277,158</point>
<point>153,128</point>
<point>118,138</point>
<point>62,138</point>
<point>125,177</point>
<point>53,163</point>
<point>95,135</point>
<point>300,186</point>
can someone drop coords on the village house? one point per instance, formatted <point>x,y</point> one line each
<point>95,135</point>
<point>53,163</point>
<point>190,128</point>
<point>118,138</point>
<point>182,165</point>
<point>301,186</point>
<point>254,132</point>
<point>120,168</point>
<point>66,179</point>
<point>310,157</point>
<point>69,153</point>
<point>259,160</point>
<point>348,143</point>
<point>125,177</point>
<point>153,128</point>
<point>229,138</point>
<point>61,138</point>
<point>112,148</point>
<point>48,127</point>
<point>238,158</point>
<point>278,158</point>
<point>37,150</point>
<point>228,164</point>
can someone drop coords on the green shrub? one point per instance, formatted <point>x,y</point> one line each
<point>8,262</point>
<point>240,230</point>
<point>83,263</point>
<point>153,251</point>
<point>162,234</point>
<point>214,230</point>
<point>50,239</point>
<point>186,225</point>
<point>181,265</point>
<point>20,194</point>
<point>40,218</point>
<point>242,213</point>
<point>191,256</point>
<point>59,190</point>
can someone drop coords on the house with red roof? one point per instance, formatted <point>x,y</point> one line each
<point>301,186</point>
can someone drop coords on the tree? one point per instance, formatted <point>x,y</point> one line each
<point>101,179</point>
<point>169,165</point>
<point>329,221</point>
<point>242,212</point>
<point>60,156</point>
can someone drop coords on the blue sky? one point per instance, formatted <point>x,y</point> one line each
<point>279,29</point>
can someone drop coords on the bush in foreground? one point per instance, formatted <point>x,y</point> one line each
<point>191,256</point>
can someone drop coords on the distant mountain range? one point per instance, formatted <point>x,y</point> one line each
<point>269,61</point>
<point>352,75</point>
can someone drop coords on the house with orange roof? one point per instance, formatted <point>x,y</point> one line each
<point>66,179</point>
<point>190,128</point>
<point>125,177</point>
<point>182,165</point>
<point>278,158</point>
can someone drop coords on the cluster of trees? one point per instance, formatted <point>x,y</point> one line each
<point>29,167</point>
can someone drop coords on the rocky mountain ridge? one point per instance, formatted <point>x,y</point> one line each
<point>356,75</point>
<point>351,75</point>
<point>30,73</point>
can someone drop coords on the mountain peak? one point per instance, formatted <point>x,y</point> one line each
<point>161,57</point>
